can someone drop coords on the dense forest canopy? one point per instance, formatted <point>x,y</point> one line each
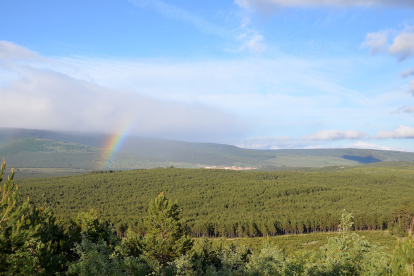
<point>235,203</point>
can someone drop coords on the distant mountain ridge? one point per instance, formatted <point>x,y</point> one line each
<point>25,148</point>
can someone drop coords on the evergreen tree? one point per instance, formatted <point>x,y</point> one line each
<point>17,243</point>
<point>30,240</point>
<point>166,232</point>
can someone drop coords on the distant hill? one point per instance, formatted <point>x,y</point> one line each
<point>47,153</point>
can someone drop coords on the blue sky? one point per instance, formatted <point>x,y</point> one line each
<point>252,73</point>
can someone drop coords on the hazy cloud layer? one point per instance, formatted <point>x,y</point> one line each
<point>267,6</point>
<point>46,99</point>
<point>176,13</point>
<point>401,46</point>
<point>334,134</point>
<point>365,145</point>
<point>399,132</point>
<point>249,38</point>
<point>206,101</point>
<point>9,51</point>
<point>266,142</point>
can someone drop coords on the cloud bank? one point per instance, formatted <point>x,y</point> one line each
<point>365,145</point>
<point>334,134</point>
<point>47,99</point>
<point>399,132</point>
<point>265,142</point>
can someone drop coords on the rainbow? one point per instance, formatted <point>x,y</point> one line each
<point>113,144</point>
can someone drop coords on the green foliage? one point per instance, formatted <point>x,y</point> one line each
<point>350,254</point>
<point>104,258</point>
<point>166,233</point>
<point>403,257</point>
<point>19,242</point>
<point>99,251</point>
<point>217,203</point>
<point>90,224</point>
<point>346,254</point>
<point>206,254</point>
<point>134,243</point>
<point>221,203</point>
<point>30,239</point>
<point>165,249</point>
<point>269,261</point>
<point>346,223</point>
<point>290,244</point>
<point>96,258</point>
<point>402,219</point>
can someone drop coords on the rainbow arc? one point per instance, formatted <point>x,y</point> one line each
<point>113,145</point>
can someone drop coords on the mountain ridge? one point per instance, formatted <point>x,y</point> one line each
<point>27,148</point>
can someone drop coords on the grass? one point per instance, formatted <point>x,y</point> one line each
<point>313,241</point>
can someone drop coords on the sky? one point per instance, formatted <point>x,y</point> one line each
<point>260,74</point>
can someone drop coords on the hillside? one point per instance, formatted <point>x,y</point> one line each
<point>48,153</point>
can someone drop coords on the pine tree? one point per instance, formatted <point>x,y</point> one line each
<point>30,239</point>
<point>166,232</point>
<point>16,243</point>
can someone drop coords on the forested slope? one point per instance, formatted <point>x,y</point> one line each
<point>234,203</point>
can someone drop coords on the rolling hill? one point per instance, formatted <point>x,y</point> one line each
<point>47,153</point>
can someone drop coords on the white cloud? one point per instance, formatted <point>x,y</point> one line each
<point>407,73</point>
<point>399,132</point>
<point>334,134</point>
<point>267,6</point>
<point>264,142</point>
<point>376,42</point>
<point>402,45</point>
<point>364,145</point>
